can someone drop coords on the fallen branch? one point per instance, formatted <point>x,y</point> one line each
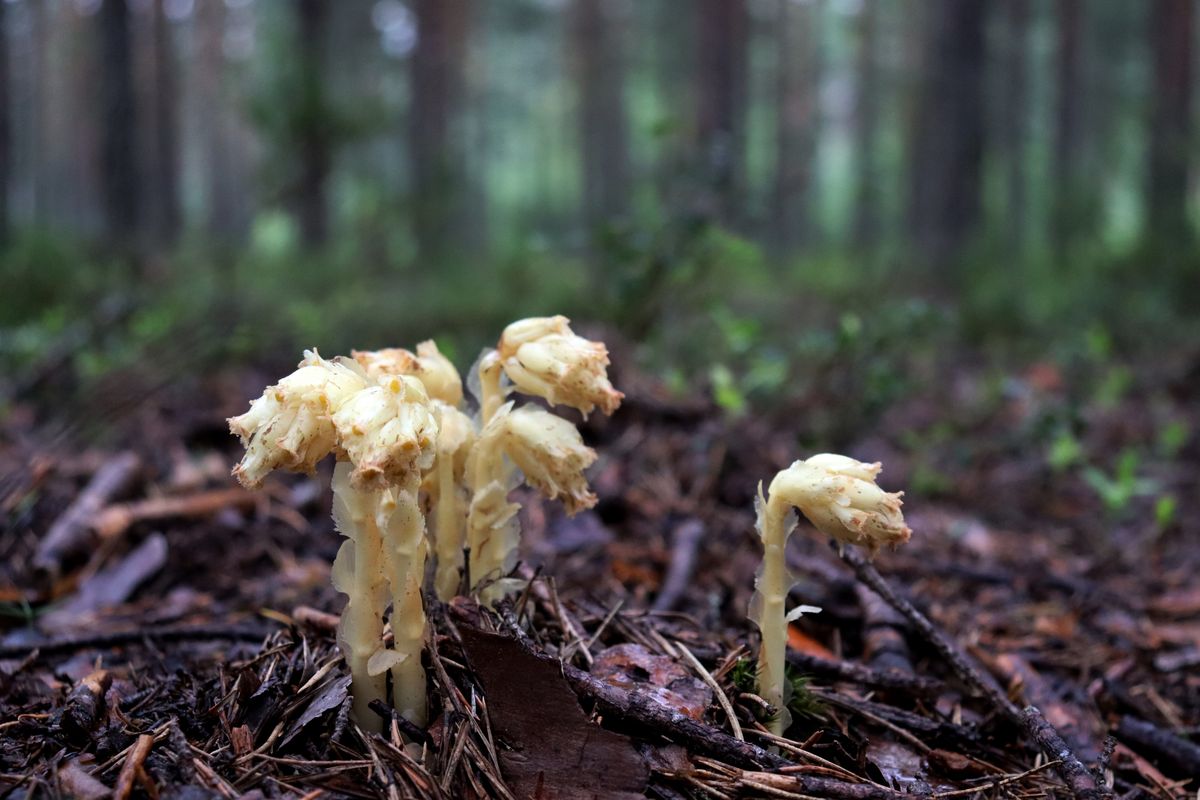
<point>1076,775</point>
<point>48,647</point>
<point>132,770</point>
<point>889,678</point>
<point>115,520</point>
<point>1160,743</point>
<point>71,532</point>
<point>685,542</point>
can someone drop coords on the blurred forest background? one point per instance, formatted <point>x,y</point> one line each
<point>734,184</point>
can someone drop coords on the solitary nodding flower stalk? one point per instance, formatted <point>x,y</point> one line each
<point>839,497</point>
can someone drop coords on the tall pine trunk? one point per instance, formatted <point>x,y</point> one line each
<point>314,147</point>
<point>866,207</point>
<point>1171,24</point>
<point>166,131</point>
<point>1068,126</point>
<point>722,85</point>
<point>437,147</point>
<point>948,132</point>
<point>797,123</point>
<point>1013,117</point>
<point>603,134</point>
<point>5,126</point>
<point>118,157</point>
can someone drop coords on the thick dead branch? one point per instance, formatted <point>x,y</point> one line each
<point>1162,744</point>
<point>71,533</point>
<point>115,520</point>
<point>862,674</point>
<point>172,633</point>
<point>685,542</point>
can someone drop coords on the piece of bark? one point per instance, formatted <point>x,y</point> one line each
<point>316,619</point>
<point>107,588</point>
<point>75,781</point>
<point>71,533</point>
<point>685,542</point>
<point>133,766</point>
<point>860,673</point>
<point>553,750</point>
<point>1163,745</point>
<point>86,706</point>
<point>116,519</point>
<point>884,645</point>
<point>1078,728</point>
<point>642,712</point>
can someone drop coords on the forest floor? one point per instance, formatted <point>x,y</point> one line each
<point>164,633</point>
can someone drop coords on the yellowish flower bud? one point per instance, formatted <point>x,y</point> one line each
<point>386,431</point>
<point>551,454</point>
<point>434,370</point>
<point>542,357</point>
<point>289,426</point>
<point>839,496</point>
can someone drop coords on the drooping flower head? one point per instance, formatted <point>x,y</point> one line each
<point>839,496</point>
<point>550,452</point>
<point>543,357</point>
<point>434,370</point>
<point>386,431</point>
<point>289,426</point>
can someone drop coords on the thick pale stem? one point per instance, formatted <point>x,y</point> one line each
<point>490,370</point>
<point>359,574</point>
<point>406,548</point>
<point>773,586</point>
<point>491,534</point>
<point>448,516</point>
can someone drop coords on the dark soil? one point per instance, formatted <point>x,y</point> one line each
<point>181,655</point>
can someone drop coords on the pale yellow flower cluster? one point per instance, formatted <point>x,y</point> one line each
<point>395,422</point>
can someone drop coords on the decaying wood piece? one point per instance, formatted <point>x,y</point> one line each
<point>165,633</point>
<point>643,712</point>
<point>86,707</point>
<point>685,542</point>
<point>115,520</point>
<point>71,532</point>
<point>860,673</point>
<point>1081,782</point>
<point>883,633</point>
<point>133,771</point>
<point>1163,744</point>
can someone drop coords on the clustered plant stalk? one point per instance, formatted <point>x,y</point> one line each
<point>840,498</point>
<point>414,466</point>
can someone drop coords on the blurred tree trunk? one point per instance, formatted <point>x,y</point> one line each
<point>599,74</point>
<point>948,131</point>
<point>314,146</point>
<point>226,202</point>
<point>165,157</point>
<point>1171,26</point>
<point>118,158</point>
<point>5,125</point>
<point>797,122</point>
<point>722,85</point>
<point>1013,116</point>
<point>437,149</point>
<point>866,210</point>
<point>1068,128</point>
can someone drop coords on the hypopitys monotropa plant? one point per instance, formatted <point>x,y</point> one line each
<point>840,498</point>
<point>382,433</point>
<point>540,356</point>
<point>394,422</point>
